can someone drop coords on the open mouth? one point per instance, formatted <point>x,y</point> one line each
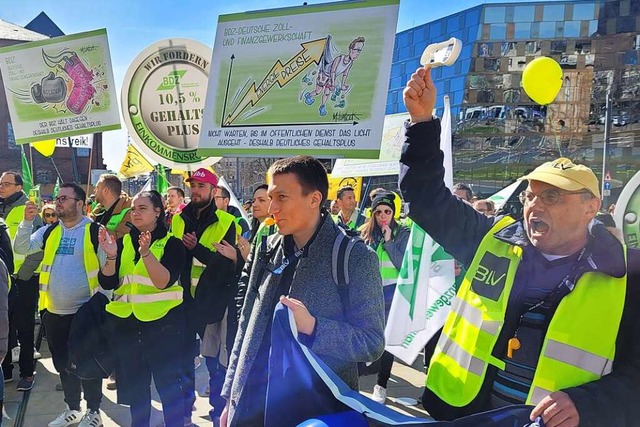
<point>538,227</point>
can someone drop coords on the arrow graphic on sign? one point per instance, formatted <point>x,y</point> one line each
<point>281,74</point>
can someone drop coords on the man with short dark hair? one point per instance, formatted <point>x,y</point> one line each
<point>69,278</point>
<point>296,270</point>
<point>223,200</point>
<point>206,278</point>
<point>175,203</point>
<point>547,313</point>
<point>24,295</point>
<point>348,215</point>
<point>114,210</point>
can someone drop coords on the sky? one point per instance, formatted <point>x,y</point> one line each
<point>134,25</point>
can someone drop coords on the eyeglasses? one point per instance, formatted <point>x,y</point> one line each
<point>50,215</point>
<point>548,197</point>
<point>382,211</point>
<point>7,184</point>
<point>62,199</point>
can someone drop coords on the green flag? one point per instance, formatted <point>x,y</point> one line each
<point>163,184</point>
<point>56,188</point>
<point>27,181</point>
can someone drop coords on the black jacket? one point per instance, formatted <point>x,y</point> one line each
<point>217,283</point>
<point>612,400</point>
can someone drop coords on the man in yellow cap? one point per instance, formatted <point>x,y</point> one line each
<point>546,314</point>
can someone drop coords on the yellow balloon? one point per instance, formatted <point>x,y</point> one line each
<point>542,80</point>
<point>45,148</point>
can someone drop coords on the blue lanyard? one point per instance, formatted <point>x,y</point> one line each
<point>288,260</point>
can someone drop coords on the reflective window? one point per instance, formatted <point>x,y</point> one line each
<point>498,32</point>
<point>553,12</point>
<point>626,24</point>
<point>535,30</point>
<point>558,46</point>
<point>559,29</point>
<point>403,40</point>
<point>547,30</point>
<point>532,48</point>
<point>472,33</point>
<point>583,11</point>
<point>404,53</point>
<point>395,69</point>
<point>435,30</point>
<point>457,83</point>
<point>494,14</point>
<point>466,51</point>
<point>593,27</point>
<point>453,24</point>
<point>473,16</point>
<point>630,57</point>
<point>395,82</point>
<point>389,109</point>
<point>522,30</point>
<point>524,13</point>
<point>484,49</point>
<point>509,14</point>
<point>572,29</point>
<point>447,72</point>
<point>419,34</point>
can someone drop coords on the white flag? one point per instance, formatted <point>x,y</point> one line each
<point>426,285</point>
<point>234,200</point>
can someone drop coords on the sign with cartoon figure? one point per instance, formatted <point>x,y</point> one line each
<point>301,80</point>
<point>627,212</point>
<point>162,101</point>
<point>60,87</point>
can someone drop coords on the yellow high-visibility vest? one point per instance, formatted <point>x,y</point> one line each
<point>137,294</point>
<point>13,220</point>
<point>213,234</point>
<point>579,346</point>
<point>91,264</point>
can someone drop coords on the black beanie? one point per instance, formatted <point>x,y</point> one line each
<point>384,199</point>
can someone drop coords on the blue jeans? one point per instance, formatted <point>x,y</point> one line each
<point>217,372</point>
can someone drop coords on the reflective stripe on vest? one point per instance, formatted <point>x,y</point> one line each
<point>91,264</point>
<point>214,233</point>
<point>115,220</point>
<point>578,348</point>
<point>388,271</point>
<point>137,294</point>
<point>13,220</point>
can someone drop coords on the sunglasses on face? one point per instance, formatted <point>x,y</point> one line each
<point>50,215</point>
<point>382,211</point>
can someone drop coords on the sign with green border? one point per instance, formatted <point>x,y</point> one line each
<point>60,87</point>
<point>302,80</point>
<point>162,102</point>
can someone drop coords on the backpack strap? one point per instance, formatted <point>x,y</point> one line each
<point>342,247</point>
<point>48,232</point>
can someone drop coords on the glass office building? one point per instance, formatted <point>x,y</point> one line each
<point>499,133</point>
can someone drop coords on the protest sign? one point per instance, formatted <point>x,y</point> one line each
<point>303,80</point>
<point>60,87</point>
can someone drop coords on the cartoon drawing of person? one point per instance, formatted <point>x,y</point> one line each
<point>333,74</point>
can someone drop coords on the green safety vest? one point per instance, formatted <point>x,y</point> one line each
<point>91,264</point>
<point>213,234</point>
<point>136,293</point>
<point>13,220</point>
<point>236,220</point>
<point>579,346</point>
<point>388,271</point>
<point>351,225</point>
<point>115,220</point>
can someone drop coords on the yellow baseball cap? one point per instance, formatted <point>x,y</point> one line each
<point>566,175</point>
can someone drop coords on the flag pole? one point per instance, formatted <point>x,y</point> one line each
<point>89,171</point>
<point>31,166</point>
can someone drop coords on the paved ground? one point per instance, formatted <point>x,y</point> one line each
<point>45,403</point>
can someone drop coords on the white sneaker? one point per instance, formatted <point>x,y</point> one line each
<point>379,394</point>
<point>15,354</point>
<point>91,419</point>
<point>36,354</point>
<point>68,417</point>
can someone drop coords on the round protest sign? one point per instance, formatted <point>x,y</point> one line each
<point>163,99</point>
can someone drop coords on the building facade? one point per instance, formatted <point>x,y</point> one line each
<point>499,133</point>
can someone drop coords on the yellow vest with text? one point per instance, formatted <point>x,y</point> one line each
<point>91,264</point>
<point>13,220</point>
<point>213,234</point>
<point>579,346</point>
<point>136,293</point>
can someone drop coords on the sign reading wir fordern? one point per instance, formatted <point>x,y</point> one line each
<point>162,101</point>
<point>302,80</point>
